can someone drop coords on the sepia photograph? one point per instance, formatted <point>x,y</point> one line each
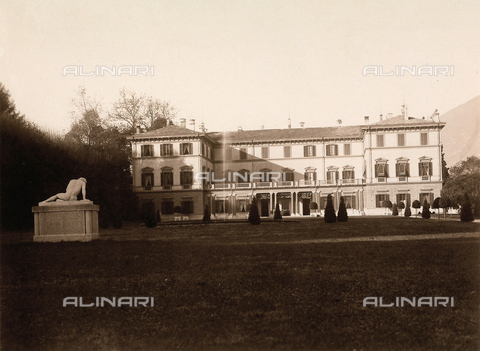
<point>239,175</point>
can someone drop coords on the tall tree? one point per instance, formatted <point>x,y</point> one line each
<point>128,112</point>
<point>158,113</point>
<point>464,177</point>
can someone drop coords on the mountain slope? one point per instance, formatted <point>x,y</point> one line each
<point>461,135</point>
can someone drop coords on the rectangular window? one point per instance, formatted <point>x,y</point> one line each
<point>423,138</point>
<point>426,196</point>
<point>265,152</point>
<point>287,151</point>
<point>204,153</point>
<point>425,169</point>
<point>381,170</point>
<point>332,177</point>
<point>147,150</point>
<point>332,150</point>
<point>166,180</point>
<point>147,180</point>
<point>348,175</point>
<point>289,176</point>
<point>380,200</point>
<point>186,148</point>
<point>402,169</point>
<point>380,141</point>
<point>187,206</point>
<point>312,176</point>
<point>405,198</point>
<point>350,201</point>
<point>346,149</point>
<point>243,154</point>
<point>309,151</point>
<point>166,150</point>
<point>167,207</point>
<point>186,179</point>
<point>401,139</point>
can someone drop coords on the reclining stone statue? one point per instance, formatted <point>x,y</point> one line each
<point>73,189</point>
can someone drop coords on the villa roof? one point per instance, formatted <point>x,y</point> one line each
<point>400,120</point>
<point>265,135</point>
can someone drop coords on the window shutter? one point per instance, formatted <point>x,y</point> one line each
<point>397,170</point>
<point>337,176</point>
<point>386,170</point>
<point>336,150</point>
<point>329,175</point>
<point>305,176</point>
<point>376,170</point>
<point>143,179</point>
<point>407,167</point>
<point>353,174</point>
<point>344,174</point>
<point>314,150</point>
<point>431,199</point>
<point>305,152</point>
<point>387,197</point>
<point>430,168</point>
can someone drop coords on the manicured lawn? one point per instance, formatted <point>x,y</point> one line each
<point>276,294</point>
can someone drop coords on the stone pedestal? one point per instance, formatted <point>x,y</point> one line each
<point>66,221</point>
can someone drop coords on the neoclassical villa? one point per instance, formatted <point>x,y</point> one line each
<point>396,158</point>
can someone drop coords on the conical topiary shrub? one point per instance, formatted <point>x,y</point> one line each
<point>466,213</point>
<point>426,210</point>
<point>342,211</point>
<point>408,212</point>
<point>278,214</point>
<point>330,216</point>
<point>253,215</point>
<point>206,214</point>
<point>394,210</point>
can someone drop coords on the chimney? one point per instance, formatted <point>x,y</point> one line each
<point>138,130</point>
<point>389,115</point>
<point>192,124</point>
<point>302,124</point>
<point>202,127</point>
<point>183,123</point>
<point>289,123</point>
<point>239,129</point>
<point>405,112</point>
<point>366,119</point>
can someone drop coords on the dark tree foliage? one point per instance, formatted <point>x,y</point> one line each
<point>466,213</point>
<point>253,215</point>
<point>408,212</point>
<point>342,211</point>
<point>36,165</point>
<point>206,214</point>
<point>394,210</point>
<point>476,212</point>
<point>436,205</point>
<point>150,221</point>
<point>330,216</point>
<point>278,213</point>
<point>426,210</point>
<point>401,205</point>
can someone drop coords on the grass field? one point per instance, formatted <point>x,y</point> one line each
<point>242,287</point>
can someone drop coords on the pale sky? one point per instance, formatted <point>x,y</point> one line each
<point>242,63</point>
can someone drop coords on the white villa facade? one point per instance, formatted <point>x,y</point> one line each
<point>397,159</point>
